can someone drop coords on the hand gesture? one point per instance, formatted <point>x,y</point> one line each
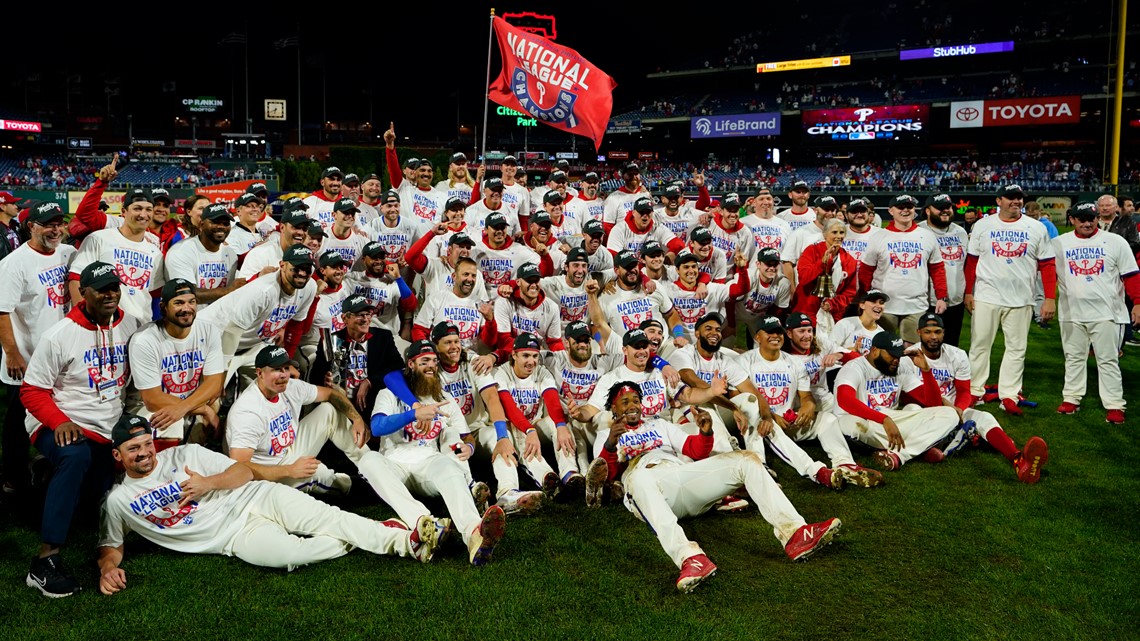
<point>718,384</point>
<point>108,172</point>
<point>483,364</point>
<point>739,260</point>
<point>487,310</point>
<point>505,291</point>
<point>704,421</point>
<point>393,270</point>
<point>894,436</point>
<point>592,287</point>
<point>194,487</point>
<point>439,229</point>
<point>699,178</point>
<point>390,136</point>
<point>539,247</point>
<point>918,357</point>
<point>428,412</point>
<point>479,173</point>
<point>304,467</point>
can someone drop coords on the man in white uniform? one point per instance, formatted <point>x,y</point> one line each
<point>768,229</point>
<point>205,259</point>
<point>320,202</point>
<point>619,203</point>
<point>189,499</point>
<point>952,242</point>
<point>799,214</point>
<point>264,258</point>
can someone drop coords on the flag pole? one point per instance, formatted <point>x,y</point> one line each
<point>487,95</point>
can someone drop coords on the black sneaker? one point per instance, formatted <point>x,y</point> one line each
<point>48,576</point>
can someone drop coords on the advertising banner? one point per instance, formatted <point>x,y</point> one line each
<point>898,122</point>
<point>225,193</point>
<point>19,125</point>
<point>1053,110</point>
<point>735,126</point>
<point>951,51</point>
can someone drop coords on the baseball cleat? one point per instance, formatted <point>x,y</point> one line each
<point>933,455</point>
<point>481,546</point>
<point>732,504</point>
<point>550,485</point>
<point>1068,408</point>
<point>1031,459</point>
<point>1009,406</point>
<point>860,476</point>
<point>962,436</point>
<point>425,538</point>
<point>48,576</point>
<point>516,502</point>
<point>573,485</point>
<point>1116,417</point>
<point>828,477</point>
<point>694,569</point>
<point>810,538</point>
<point>342,484</point>
<point>596,476</point>
<point>480,493</point>
<point>887,460</point>
<point>617,491</point>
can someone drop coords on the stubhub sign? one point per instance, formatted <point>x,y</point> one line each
<point>763,124</point>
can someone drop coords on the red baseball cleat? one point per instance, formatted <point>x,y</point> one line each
<point>694,569</point>
<point>810,538</point>
<point>933,455</point>
<point>1031,460</point>
<point>1010,407</point>
<point>828,477</point>
<point>1116,417</point>
<point>888,460</point>
<point>1068,408</point>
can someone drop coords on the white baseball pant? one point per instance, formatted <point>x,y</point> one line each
<point>507,475</point>
<point>287,529</point>
<point>1105,338</point>
<point>1014,323</point>
<point>324,424</point>
<point>439,475</point>
<point>920,429</point>
<point>662,494</point>
<point>983,421</point>
<point>784,443</point>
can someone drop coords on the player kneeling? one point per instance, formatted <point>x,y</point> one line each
<point>660,489</point>
<point>190,499</point>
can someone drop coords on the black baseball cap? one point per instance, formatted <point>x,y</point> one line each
<point>257,188</point>
<point>419,348</point>
<point>454,203</point>
<point>591,177</point>
<point>496,220</point>
<point>701,235</point>
<point>424,162</point>
<point>672,191</point>
<point>800,185</point>
<point>298,255</point>
<point>1011,191</point>
<point>351,179</point>
<point>940,201</point>
<point>643,204</point>
<point>493,184</point>
<point>577,254</point>
<point>346,206</point>
<point>577,330</point>
<point>768,255</point>
<point>332,171</point>
<point>458,158</point>
<point>176,287</point>
<point>160,193</point>
<point>527,341</point>
<point>710,316</point>
<point>411,163</point>
<point>630,168</point>
<point>552,197</point>
<point>770,324</point>
<point>528,271</point>
<point>129,426</point>
<point>826,202</point>
<point>296,218</point>
<point>294,204</point>
<point>443,329</point>
<point>652,248</point>
<point>355,304</point>
<point>218,211</point>
<point>685,256</point>
<point>731,202</point>
<point>246,199</point>
<point>374,250</point>
<point>509,160</point>
<point>1084,211</point>
<point>562,164</point>
<point>558,177</point>
<point>460,238</point>
<point>593,227</point>
<point>650,322</point>
<point>99,275</point>
<point>331,258</point>
<point>799,319</point>
<point>316,231</point>
<point>874,294</point>
<point>634,337</point>
<point>858,204</point>
<point>44,213</point>
<point>626,259</point>
<point>926,320</point>
<point>541,218</point>
<point>375,177</point>
<point>902,201</point>
<point>890,342</point>
<point>271,356</point>
<point>138,193</point>
<point>389,196</point>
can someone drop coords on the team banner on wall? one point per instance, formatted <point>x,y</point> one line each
<point>1053,110</point>
<point>897,122</point>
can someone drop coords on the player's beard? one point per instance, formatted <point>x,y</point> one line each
<point>707,346</point>
<point>935,220</point>
<point>884,366</point>
<point>425,386</point>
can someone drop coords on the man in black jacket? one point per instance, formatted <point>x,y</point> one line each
<point>357,357</point>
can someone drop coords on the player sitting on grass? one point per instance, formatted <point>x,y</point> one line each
<point>189,499</point>
<point>660,488</point>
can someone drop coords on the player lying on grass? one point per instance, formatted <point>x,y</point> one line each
<point>189,499</point>
<point>660,489</point>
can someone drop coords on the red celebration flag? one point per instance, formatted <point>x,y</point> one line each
<point>552,83</point>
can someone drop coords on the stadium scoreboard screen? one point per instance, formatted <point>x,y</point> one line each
<point>898,122</point>
<point>955,51</point>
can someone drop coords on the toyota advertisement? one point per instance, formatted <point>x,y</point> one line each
<point>1054,110</point>
<point>737,125</point>
<point>899,122</point>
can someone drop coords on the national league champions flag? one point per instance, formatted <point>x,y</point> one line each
<point>552,83</point>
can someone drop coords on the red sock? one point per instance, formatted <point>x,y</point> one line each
<point>1002,443</point>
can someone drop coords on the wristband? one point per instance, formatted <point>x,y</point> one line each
<point>658,362</point>
<point>501,430</point>
<point>678,330</point>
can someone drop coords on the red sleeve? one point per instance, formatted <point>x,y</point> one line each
<point>847,357</point>
<point>555,344</point>
<point>546,265</point>
<point>741,286</point>
<point>420,333</point>
<point>675,245</point>
<point>808,268</point>
<point>409,303</point>
<point>963,400</point>
<point>1131,286</point>
<point>931,392</point>
<point>88,217</point>
<point>415,254</point>
<point>971,273</point>
<point>698,446</point>
<point>607,226</point>
<point>554,406</point>
<point>514,414</point>
<point>475,195</point>
<point>489,334</point>
<point>524,222</point>
<point>704,199</point>
<point>611,463</point>
<point>41,405</point>
<point>867,274</point>
<point>395,175</point>
<point>1048,269</point>
<point>848,402</point>
<point>295,330</point>
<point>938,277</point>
<point>504,343</point>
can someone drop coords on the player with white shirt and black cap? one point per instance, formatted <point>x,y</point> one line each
<point>394,230</point>
<point>516,197</point>
<point>593,241</point>
<point>73,390</point>
<point>568,290</point>
<point>952,242</point>
<point>476,214</point>
<point>205,259</point>
<point>711,259</point>
<point>619,203</point>
<point>768,229</point>
<point>586,205</point>
<point>631,304</point>
<point>799,214</point>
<point>379,281</point>
<point>34,298</point>
<point>769,293</point>
<point>459,182</point>
<point>177,366</point>
<point>951,368</point>
<point>868,394</point>
<point>499,256</point>
<point>689,303</point>
<point>295,224</point>
<point>321,201</point>
<point>527,310</point>
<point>662,488</point>
<point>245,236</point>
<point>638,226</point>
<point>343,235</point>
<point>676,213</point>
<point>729,234</point>
<point>465,304</point>
<point>561,225</point>
<point>855,332</point>
<point>862,226</point>
<point>189,499</point>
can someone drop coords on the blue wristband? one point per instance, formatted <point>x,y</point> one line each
<point>501,430</point>
<point>678,330</point>
<point>405,291</point>
<point>658,362</point>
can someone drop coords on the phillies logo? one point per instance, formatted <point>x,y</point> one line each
<point>173,517</point>
<point>412,434</point>
<point>1010,250</point>
<point>905,260</point>
<point>133,277</point>
<point>562,109</point>
<point>776,396</point>
<point>773,242</point>
<point>56,295</point>
<point>188,381</point>
<point>886,401</point>
<point>1086,267</point>
<point>863,113</point>
<point>652,404</point>
<point>953,252</point>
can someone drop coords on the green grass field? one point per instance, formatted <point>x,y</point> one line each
<point>958,550</point>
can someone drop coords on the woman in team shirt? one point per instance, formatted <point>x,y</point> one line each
<point>855,332</point>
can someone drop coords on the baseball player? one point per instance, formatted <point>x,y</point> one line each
<point>527,310</point>
<point>586,205</point>
<point>415,450</point>
<point>72,390</point>
<point>817,354</point>
<point>459,182</point>
<point>369,202</point>
<point>379,282</point>
<point>854,333</point>
<point>768,230</point>
<point>689,305</point>
<point>394,231</point>
<point>1005,254</point>
<point>860,228</point>
<point>516,197</point>
<point>34,298</point>
<point>952,242</point>
<point>438,272</point>
<point>661,489</point>
<point>264,258</point>
<point>676,214</point>
<point>540,237</point>
<point>475,216</point>
<point>320,202</point>
<point>177,365</point>
<point>729,234</point>
<point>246,233</point>
<point>1098,269</point>
<point>867,394</point>
<point>568,291</point>
<point>619,203</point>
<point>711,259</point>
<point>951,368</point>
<point>638,226</point>
<point>344,237</point>
<point>499,257</point>
<point>561,225</point>
<point>465,304</point>
<point>799,214</point>
<point>136,258</point>
<point>189,499</point>
<point>768,294</point>
<point>631,303</point>
<point>205,259</point>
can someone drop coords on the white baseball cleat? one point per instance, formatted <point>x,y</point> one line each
<point>516,502</point>
<point>425,538</point>
<point>480,493</point>
<point>596,476</point>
